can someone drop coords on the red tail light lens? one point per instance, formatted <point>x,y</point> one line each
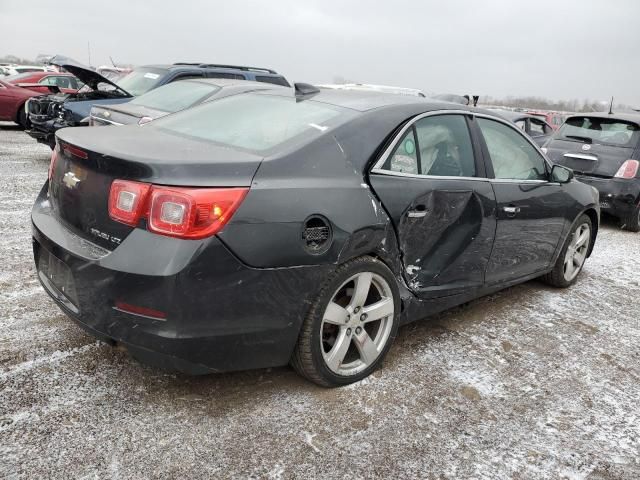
<point>127,201</point>
<point>78,152</point>
<point>54,159</point>
<point>174,211</point>
<point>192,212</point>
<point>628,169</point>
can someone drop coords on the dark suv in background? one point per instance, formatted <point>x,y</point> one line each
<point>49,113</point>
<point>604,151</point>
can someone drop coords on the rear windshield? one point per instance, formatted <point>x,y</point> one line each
<point>141,80</point>
<point>254,122</point>
<point>175,96</point>
<point>607,131</point>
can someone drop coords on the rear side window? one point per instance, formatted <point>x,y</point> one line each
<point>608,131</point>
<point>512,156</point>
<point>438,145</point>
<point>274,80</point>
<point>536,127</point>
<point>254,122</point>
<point>176,96</point>
<point>404,158</point>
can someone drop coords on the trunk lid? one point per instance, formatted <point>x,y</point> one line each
<point>125,114</point>
<point>589,159</point>
<point>89,160</point>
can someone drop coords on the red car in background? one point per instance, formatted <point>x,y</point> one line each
<point>555,119</point>
<point>40,81</point>
<point>15,90</point>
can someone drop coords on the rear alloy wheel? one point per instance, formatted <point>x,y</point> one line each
<point>631,221</point>
<point>350,326</point>
<point>574,253</point>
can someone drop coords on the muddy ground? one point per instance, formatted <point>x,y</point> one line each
<point>532,382</point>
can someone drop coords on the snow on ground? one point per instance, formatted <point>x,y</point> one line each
<point>531,382</point>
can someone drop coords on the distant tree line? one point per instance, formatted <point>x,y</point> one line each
<point>541,103</point>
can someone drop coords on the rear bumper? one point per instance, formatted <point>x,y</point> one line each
<point>220,314</point>
<point>618,196</point>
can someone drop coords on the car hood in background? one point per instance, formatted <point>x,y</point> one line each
<point>85,74</point>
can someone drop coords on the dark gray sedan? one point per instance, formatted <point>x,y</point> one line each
<point>171,98</point>
<point>539,130</point>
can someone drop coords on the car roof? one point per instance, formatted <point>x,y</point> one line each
<point>626,116</point>
<point>364,100</point>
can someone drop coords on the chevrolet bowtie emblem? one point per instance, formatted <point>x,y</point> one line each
<point>70,179</point>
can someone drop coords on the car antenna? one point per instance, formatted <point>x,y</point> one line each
<point>611,107</point>
<point>112,62</point>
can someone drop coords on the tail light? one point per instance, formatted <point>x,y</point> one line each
<point>54,159</point>
<point>174,211</point>
<point>628,169</point>
<point>127,200</point>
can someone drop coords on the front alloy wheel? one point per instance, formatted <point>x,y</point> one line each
<point>350,326</point>
<point>576,252</point>
<point>573,254</point>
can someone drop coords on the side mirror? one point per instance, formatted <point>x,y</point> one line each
<point>561,174</point>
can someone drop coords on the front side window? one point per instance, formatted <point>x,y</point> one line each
<point>512,156</point>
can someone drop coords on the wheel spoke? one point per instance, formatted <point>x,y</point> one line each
<point>335,314</point>
<point>381,309</point>
<point>582,238</point>
<point>361,289</point>
<point>337,353</point>
<point>578,258</point>
<point>366,347</point>
<point>568,267</point>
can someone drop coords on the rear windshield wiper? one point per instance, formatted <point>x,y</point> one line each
<point>578,137</point>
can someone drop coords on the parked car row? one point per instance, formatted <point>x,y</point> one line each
<point>49,113</point>
<point>228,224</point>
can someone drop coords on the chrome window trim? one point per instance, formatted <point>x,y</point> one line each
<point>377,166</point>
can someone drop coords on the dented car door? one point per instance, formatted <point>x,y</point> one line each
<point>433,187</point>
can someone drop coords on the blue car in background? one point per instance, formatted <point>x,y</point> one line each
<point>49,113</point>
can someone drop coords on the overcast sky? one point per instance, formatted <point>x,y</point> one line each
<point>561,49</point>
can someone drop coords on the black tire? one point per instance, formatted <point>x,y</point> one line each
<point>308,357</point>
<point>23,121</point>
<point>556,277</point>
<point>631,221</point>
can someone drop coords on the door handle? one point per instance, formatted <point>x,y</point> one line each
<point>417,213</point>
<point>511,210</point>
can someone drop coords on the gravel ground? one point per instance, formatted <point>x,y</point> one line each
<point>532,382</point>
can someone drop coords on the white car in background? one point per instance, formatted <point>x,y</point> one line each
<point>12,69</point>
<point>367,87</point>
